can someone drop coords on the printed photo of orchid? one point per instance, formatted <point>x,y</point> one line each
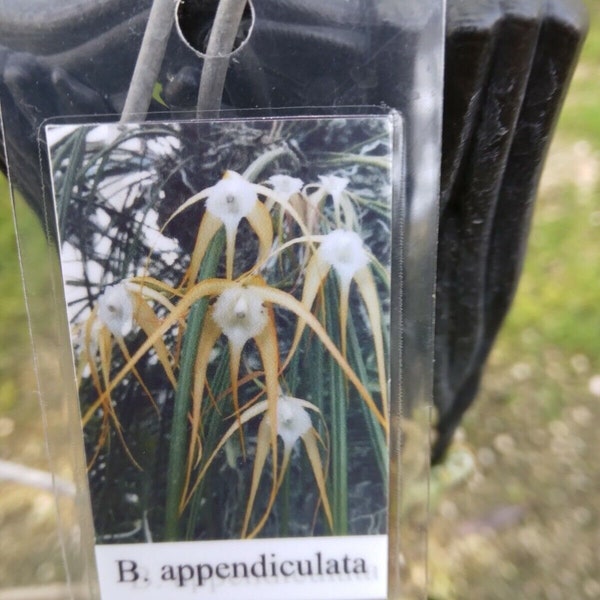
<point>228,286</point>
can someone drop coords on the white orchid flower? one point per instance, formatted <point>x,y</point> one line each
<point>293,423</point>
<point>286,186</point>
<point>240,314</point>
<point>229,201</point>
<point>287,192</point>
<point>115,309</point>
<point>334,187</point>
<point>345,252</point>
<point>119,308</point>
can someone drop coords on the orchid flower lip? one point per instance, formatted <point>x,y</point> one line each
<point>231,199</point>
<point>115,309</point>
<point>345,252</point>
<point>240,314</point>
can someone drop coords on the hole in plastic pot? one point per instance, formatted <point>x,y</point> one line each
<point>195,19</point>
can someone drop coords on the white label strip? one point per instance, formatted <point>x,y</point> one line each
<point>321,568</point>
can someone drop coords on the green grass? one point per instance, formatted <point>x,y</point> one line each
<point>559,294</point>
<point>14,346</point>
<point>11,307</point>
<point>581,117</point>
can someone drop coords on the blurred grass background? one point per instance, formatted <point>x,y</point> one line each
<point>30,553</point>
<point>527,524</point>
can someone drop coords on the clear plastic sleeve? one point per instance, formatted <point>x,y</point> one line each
<point>291,60</point>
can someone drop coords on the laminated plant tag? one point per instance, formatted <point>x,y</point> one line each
<point>229,286</point>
